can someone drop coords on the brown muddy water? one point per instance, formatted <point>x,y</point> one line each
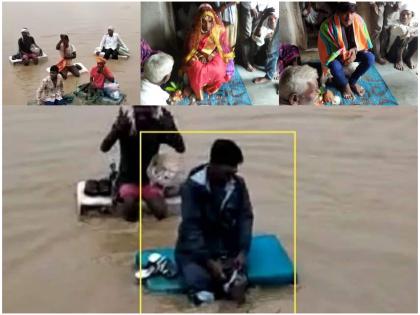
<point>85,23</point>
<point>356,209</point>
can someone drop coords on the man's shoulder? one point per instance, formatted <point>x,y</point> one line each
<point>326,22</point>
<point>359,17</point>
<point>240,180</point>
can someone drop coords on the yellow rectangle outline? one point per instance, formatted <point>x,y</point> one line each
<point>241,132</point>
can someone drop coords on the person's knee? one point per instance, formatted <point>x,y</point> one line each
<point>335,67</point>
<point>129,209</point>
<point>368,58</point>
<point>196,277</point>
<point>157,206</point>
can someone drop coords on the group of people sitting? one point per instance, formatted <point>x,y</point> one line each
<point>51,89</point>
<point>347,50</point>
<point>208,59</point>
<point>215,233</point>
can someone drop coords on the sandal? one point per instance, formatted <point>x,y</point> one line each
<point>159,265</point>
<point>91,188</point>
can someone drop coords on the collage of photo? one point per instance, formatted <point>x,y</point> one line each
<point>135,181</point>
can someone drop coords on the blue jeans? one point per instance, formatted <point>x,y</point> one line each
<point>196,277</point>
<point>365,58</point>
<point>56,102</point>
<point>273,54</point>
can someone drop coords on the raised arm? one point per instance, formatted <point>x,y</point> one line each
<point>58,46</point>
<point>120,127</point>
<point>175,140</point>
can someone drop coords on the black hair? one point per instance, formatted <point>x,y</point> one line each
<point>343,7</point>
<point>226,152</point>
<point>54,68</point>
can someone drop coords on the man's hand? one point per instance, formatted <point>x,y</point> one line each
<point>353,53</point>
<point>351,56</point>
<point>269,11</point>
<point>122,124</point>
<point>239,261</point>
<point>202,59</point>
<point>216,269</point>
<point>254,13</point>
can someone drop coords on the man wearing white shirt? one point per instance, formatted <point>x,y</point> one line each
<point>157,71</point>
<point>110,44</point>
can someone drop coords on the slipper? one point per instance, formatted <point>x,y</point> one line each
<point>159,265</point>
<point>91,188</point>
<point>104,187</point>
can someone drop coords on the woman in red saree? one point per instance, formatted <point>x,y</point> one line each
<point>209,60</point>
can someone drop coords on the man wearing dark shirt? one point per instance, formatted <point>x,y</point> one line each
<point>215,234</point>
<point>126,130</point>
<point>28,50</point>
<point>344,39</point>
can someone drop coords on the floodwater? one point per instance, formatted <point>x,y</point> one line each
<point>85,23</point>
<point>356,209</point>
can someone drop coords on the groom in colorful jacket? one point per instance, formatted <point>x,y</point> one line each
<point>342,40</point>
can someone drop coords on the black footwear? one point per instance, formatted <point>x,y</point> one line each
<point>91,188</point>
<point>104,187</point>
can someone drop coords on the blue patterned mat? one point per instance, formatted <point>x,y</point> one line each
<point>231,93</point>
<point>268,264</point>
<point>377,91</point>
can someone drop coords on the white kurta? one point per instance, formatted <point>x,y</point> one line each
<point>111,41</point>
<point>152,94</point>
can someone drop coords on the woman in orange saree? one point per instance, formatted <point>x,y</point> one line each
<point>209,60</point>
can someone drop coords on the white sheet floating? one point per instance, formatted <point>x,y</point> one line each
<point>97,49</point>
<point>17,61</point>
<point>84,200</point>
<point>83,70</point>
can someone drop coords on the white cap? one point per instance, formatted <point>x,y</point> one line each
<point>24,30</point>
<point>111,27</point>
<point>406,6</point>
<point>157,67</point>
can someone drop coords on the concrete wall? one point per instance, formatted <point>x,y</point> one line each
<point>157,25</point>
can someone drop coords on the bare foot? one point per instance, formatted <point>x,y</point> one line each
<point>359,90</point>
<point>381,60</point>
<point>347,93</point>
<point>187,91</point>
<point>399,66</point>
<point>410,63</point>
<point>261,80</point>
<point>250,68</point>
